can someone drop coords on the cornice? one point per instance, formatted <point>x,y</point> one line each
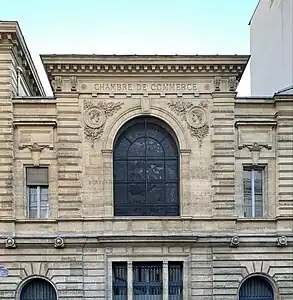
<point>256,122</point>
<point>217,65</point>
<point>10,34</point>
<point>34,122</point>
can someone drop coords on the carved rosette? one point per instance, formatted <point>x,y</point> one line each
<point>194,115</point>
<point>95,117</point>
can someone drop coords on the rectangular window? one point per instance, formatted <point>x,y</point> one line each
<point>119,276</point>
<point>37,184</point>
<point>253,187</point>
<point>148,281</point>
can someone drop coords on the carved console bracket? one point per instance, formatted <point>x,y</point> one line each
<point>255,135</point>
<point>225,84</point>
<point>95,116</point>
<point>194,115</point>
<point>255,149</point>
<point>36,150</point>
<point>57,84</point>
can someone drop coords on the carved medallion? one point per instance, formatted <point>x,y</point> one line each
<point>95,117</point>
<point>195,117</point>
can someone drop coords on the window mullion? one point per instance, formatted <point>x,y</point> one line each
<point>38,202</point>
<point>28,201</point>
<point>165,280</point>
<point>129,280</point>
<point>252,193</point>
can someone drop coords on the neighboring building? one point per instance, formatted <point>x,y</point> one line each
<point>271,47</point>
<point>143,178</point>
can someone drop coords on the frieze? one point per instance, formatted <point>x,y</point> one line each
<point>146,87</point>
<point>194,115</point>
<point>95,116</point>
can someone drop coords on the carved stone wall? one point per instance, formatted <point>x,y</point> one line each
<point>73,134</point>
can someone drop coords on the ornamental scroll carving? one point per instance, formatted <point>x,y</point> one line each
<point>95,116</point>
<point>194,115</point>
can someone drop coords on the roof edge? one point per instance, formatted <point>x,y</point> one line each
<point>13,26</point>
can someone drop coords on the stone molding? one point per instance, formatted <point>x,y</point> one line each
<point>228,66</point>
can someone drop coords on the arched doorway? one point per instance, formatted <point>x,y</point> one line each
<point>38,289</point>
<point>256,288</point>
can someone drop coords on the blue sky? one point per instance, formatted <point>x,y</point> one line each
<point>133,27</point>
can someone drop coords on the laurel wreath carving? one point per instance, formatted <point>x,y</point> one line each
<point>194,115</point>
<point>95,116</point>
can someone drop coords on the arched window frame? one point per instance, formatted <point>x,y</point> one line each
<point>27,280</point>
<point>163,155</point>
<point>110,131</point>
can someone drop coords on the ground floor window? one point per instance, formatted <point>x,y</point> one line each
<point>256,288</point>
<point>38,289</point>
<point>149,280</point>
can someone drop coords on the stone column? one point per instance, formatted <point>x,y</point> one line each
<point>185,182</point>
<point>108,183</point>
<point>165,280</point>
<point>129,280</point>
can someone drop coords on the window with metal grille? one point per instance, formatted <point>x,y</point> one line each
<point>38,289</point>
<point>256,288</point>
<point>119,277</point>
<point>37,184</point>
<point>146,180</point>
<point>253,187</point>
<point>147,281</point>
<point>175,281</point>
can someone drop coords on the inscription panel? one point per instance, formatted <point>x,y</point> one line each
<point>127,87</point>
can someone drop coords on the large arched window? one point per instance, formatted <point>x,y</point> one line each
<point>38,289</point>
<point>146,172</point>
<point>256,288</point>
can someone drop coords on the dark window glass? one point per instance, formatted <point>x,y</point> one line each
<point>146,181</point>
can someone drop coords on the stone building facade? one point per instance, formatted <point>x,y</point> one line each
<point>144,177</point>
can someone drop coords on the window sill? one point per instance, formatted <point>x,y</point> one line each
<point>264,219</point>
<point>36,221</point>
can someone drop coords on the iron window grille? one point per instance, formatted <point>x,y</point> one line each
<point>38,289</point>
<point>146,170</point>
<point>147,281</point>
<point>256,287</point>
